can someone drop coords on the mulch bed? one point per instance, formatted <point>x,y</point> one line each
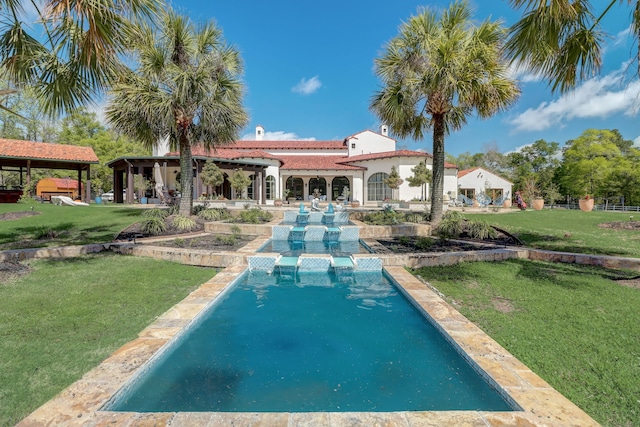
<point>411,245</point>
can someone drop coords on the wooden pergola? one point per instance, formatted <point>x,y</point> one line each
<point>22,156</point>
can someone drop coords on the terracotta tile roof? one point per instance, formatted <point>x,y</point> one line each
<point>289,145</point>
<point>386,155</point>
<point>466,171</point>
<point>13,148</point>
<point>228,153</point>
<point>397,153</point>
<point>317,163</point>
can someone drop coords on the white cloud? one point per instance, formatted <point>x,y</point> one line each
<point>277,136</point>
<point>636,142</point>
<point>307,86</point>
<point>98,107</point>
<point>595,98</point>
<point>519,71</point>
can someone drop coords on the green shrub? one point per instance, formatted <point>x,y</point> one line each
<point>227,239</point>
<point>214,214</point>
<point>452,225</point>
<point>424,242</point>
<point>235,230</point>
<point>480,230</point>
<point>384,217</point>
<point>183,223</point>
<point>153,226</point>
<point>155,213</point>
<point>254,216</point>
<point>414,217</point>
<point>199,208</point>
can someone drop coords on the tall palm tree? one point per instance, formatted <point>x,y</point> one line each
<point>186,85</point>
<point>70,52</point>
<point>436,72</point>
<point>562,39</point>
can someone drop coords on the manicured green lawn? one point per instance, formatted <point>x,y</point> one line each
<point>569,230</point>
<point>572,325</point>
<point>67,315</point>
<point>63,225</point>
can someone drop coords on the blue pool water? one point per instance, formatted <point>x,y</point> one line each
<point>310,343</point>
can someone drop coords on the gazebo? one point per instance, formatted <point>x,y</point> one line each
<point>22,156</point>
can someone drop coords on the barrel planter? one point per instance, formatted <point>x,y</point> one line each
<point>586,205</point>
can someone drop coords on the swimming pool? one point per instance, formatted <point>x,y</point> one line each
<point>309,343</point>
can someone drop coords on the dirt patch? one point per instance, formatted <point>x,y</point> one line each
<point>630,283</point>
<point>406,245</point>
<point>621,225</point>
<point>10,270</point>
<point>502,305</point>
<point>17,215</point>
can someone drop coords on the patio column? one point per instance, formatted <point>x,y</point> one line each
<point>87,190</point>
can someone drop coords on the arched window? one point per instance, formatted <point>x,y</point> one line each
<point>295,187</point>
<point>271,187</point>
<point>337,186</point>
<point>319,186</point>
<point>377,189</point>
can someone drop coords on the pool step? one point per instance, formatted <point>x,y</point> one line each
<point>312,263</point>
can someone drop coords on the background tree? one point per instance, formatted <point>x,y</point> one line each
<point>420,178</point>
<point>212,175</point>
<point>538,161</point>
<point>186,85</point>
<point>71,53</point>
<point>239,182</point>
<point>562,39</point>
<point>588,162</point>
<point>435,74</point>
<point>393,181</point>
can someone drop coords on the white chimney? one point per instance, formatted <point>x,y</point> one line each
<point>384,130</point>
<point>259,133</point>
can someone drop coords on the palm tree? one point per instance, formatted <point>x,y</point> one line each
<point>186,85</point>
<point>436,72</point>
<point>562,39</point>
<point>78,55</point>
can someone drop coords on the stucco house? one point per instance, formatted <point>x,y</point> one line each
<point>483,185</point>
<point>359,163</point>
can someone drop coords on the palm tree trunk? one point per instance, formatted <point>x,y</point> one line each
<point>186,172</point>
<point>438,169</point>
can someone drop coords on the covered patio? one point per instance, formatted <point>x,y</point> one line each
<point>22,156</point>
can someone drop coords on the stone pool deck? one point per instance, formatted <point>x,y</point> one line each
<point>80,404</point>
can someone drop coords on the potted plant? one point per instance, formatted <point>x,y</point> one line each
<point>586,203</point>
<point>537,203</point>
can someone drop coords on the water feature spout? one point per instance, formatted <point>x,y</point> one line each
<point>302,208</point>
<point>330,208</point>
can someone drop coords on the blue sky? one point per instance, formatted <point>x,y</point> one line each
<point>309,73</point>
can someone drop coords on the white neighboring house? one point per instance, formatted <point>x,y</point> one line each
<point>474,182</point>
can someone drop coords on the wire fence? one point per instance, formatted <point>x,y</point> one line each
<point>601,207</point>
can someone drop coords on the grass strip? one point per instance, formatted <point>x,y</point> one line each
<point>570,230</point>
<point>67,315</point>
<point>575,326</point>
